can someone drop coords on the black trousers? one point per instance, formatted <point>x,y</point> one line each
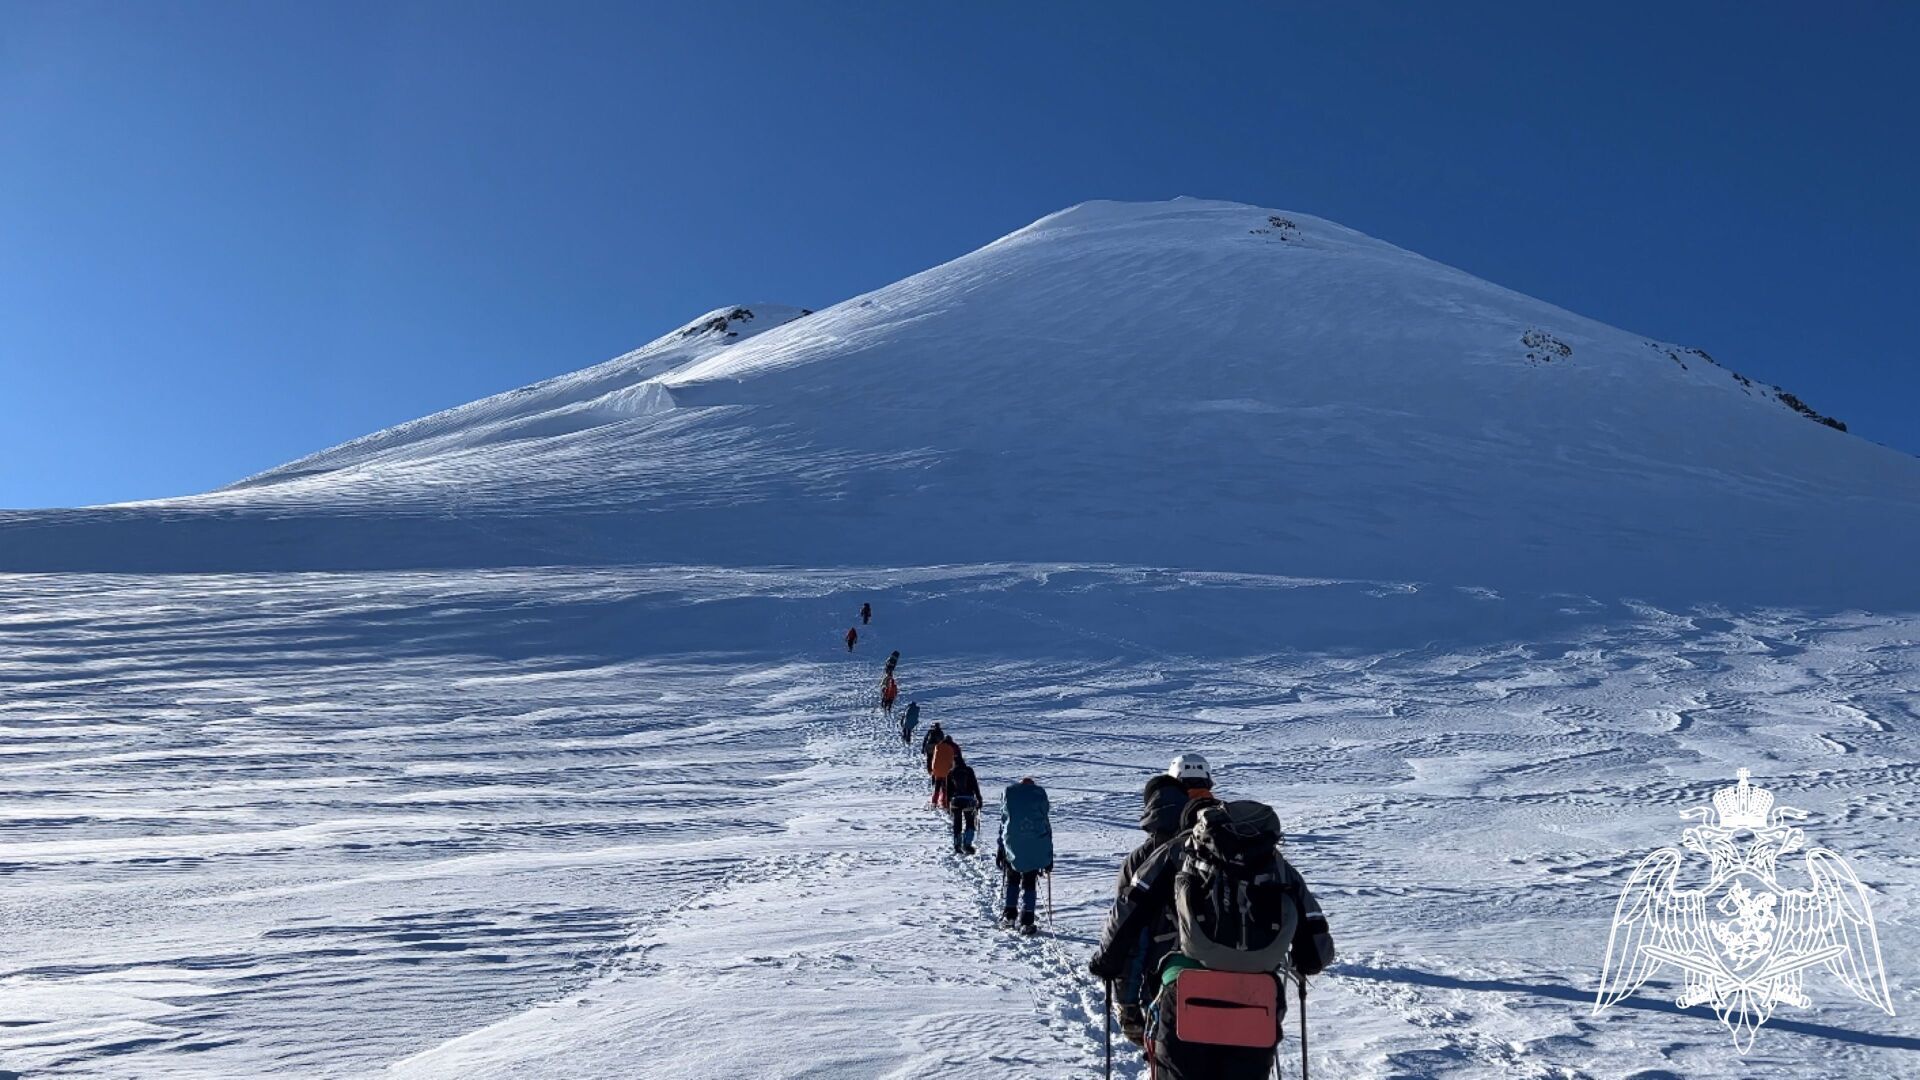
<point>1021,886</point>
<point>965,819</point>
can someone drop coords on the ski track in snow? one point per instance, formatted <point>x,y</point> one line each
<point>537,823</point>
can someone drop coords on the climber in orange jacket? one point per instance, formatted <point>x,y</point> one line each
<point>944,755</point>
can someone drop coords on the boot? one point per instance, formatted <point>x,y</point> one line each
<point>1027,926</point>
<point>1008,917</point>
<point>1133,1024</point>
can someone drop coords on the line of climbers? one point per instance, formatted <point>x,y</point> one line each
<point>1208,915</point>
<point>1023,848</point>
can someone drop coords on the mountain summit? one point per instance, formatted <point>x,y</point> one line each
<point>1190,383</point>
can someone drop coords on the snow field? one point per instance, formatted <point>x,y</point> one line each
<point>518,740</point>
<point>648,822</point>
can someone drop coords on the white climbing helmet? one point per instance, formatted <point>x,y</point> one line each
<point>1190,767</point>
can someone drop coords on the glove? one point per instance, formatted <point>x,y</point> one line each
<point>1313,958</point>
<point>1312,948</point>
<point>1102,968</point>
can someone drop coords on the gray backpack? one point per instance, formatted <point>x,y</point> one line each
<point>1232,906</point>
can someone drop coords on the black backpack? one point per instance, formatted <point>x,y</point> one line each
<point>1232,906</point>
<point>963,788</point>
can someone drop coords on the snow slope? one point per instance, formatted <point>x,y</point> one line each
<point>1169,384</point>
<point>620,389</point>
<point>534,823</point>
<point>518,740</point>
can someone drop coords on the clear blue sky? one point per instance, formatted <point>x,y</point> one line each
<point>234,233</point>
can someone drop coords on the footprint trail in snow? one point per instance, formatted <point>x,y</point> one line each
<point>341,824</point>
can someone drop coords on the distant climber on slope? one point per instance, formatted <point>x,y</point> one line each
<point>866,614</point>
<point>893,661</point>
<point>1243,914</point>
<point>889,693</point>
<point>963,802</point>
<point>930,740</point>
<point>908,721</point>
<point>853,635</point>
<point>1025,849</point>
<point>944,756</point>
<point>1167,794</point>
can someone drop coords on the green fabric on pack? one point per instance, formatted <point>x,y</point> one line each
<point>1173,965</point>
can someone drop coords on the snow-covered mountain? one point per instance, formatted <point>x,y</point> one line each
<point>1192,383</point>
<point>620,389</point>
<point>521,741</point>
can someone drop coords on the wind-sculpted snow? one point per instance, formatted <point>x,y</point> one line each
<point>519,740</point>
<point>624,822</point>
<point>1171,384</point>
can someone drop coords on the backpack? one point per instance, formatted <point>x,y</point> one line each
<point>1232,907</point>
<point>1026,836</point>
<point>1222,1008</point>
<point>963,788</point>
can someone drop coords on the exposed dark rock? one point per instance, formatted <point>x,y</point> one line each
<point>1747,385</point>
<point>719,323</point>
<point>1543,347</point>
<point>1801,407</point>
<point>1277,224</point>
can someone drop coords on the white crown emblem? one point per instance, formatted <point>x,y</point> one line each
<point>1743,806</point>
<point>1743,942</point>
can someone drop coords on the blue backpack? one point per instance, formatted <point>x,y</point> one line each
<point>1026,837</point>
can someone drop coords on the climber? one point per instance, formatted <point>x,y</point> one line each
<point>1242,915</point>
<point>1166,795</point>
<point>1025,850</point>
<point>963,802</point>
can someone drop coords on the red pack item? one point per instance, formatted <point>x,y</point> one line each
<point>1226,1008</point>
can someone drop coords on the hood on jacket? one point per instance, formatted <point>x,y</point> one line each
<point>1162,802</point>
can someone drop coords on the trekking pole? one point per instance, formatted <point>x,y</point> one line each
<point>1108,987</point>
<point>1303,1027</point>
<point>1049,899</point>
